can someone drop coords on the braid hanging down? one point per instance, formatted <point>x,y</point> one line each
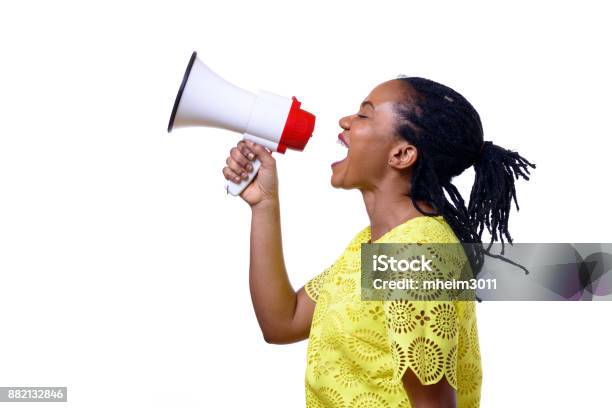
<point>448,134</point>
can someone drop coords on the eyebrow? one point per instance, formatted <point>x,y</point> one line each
<point>364,103</point>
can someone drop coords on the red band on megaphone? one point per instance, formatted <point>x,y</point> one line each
<point>298,128</point>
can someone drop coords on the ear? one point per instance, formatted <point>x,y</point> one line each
<point>402,155</point>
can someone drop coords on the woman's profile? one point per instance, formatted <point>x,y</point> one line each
<point>408,140</point>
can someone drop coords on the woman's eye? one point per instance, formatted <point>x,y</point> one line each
<point>361,116</point>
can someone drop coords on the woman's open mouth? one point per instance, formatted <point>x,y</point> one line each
<point>343,143</point>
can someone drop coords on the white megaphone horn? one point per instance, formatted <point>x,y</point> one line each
<point>206,99</point>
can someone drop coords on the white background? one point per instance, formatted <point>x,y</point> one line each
<point>123,264</point>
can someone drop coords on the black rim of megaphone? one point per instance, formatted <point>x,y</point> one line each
<point>180,91</point>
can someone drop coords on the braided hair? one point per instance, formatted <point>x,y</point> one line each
<point>447,132</point>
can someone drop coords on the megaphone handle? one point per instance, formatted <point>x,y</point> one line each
<point>237,188</point>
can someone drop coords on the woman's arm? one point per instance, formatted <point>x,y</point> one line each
<point>438,395</point>
<point>283,315</point>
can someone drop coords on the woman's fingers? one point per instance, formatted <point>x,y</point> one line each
<point>239,157</point>
<point>263,154</point>
<point>239,163</point>
<point>237,168</point>
<point>231,175</point>
<point>246,151</point>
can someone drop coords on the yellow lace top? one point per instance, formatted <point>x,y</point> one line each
<point>358,350</point>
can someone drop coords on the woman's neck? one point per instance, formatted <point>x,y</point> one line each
<point>389,208</point>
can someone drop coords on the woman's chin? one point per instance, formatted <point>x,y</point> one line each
<point>338,181</point>
<point>335,181</point>
<point>338,174</point>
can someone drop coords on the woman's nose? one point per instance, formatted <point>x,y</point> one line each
<point>345,122</point>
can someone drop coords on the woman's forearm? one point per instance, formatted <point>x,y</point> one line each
<point>274,300</point>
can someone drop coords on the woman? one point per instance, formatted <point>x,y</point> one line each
<point>410,137</point>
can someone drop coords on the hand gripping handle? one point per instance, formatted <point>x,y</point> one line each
<point>237,188</point>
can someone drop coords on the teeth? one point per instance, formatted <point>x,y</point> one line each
<point>341,143</point>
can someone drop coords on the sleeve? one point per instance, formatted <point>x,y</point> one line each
<point>423,336</point>
<point>424,333</point>
<point>313,286</point>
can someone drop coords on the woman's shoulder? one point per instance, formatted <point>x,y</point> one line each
<point>362,237</point>
<point>423,229</point>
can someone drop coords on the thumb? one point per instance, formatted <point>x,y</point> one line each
<point>263,154</point>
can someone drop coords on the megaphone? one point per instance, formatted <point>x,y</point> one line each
<point>273,121</point>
